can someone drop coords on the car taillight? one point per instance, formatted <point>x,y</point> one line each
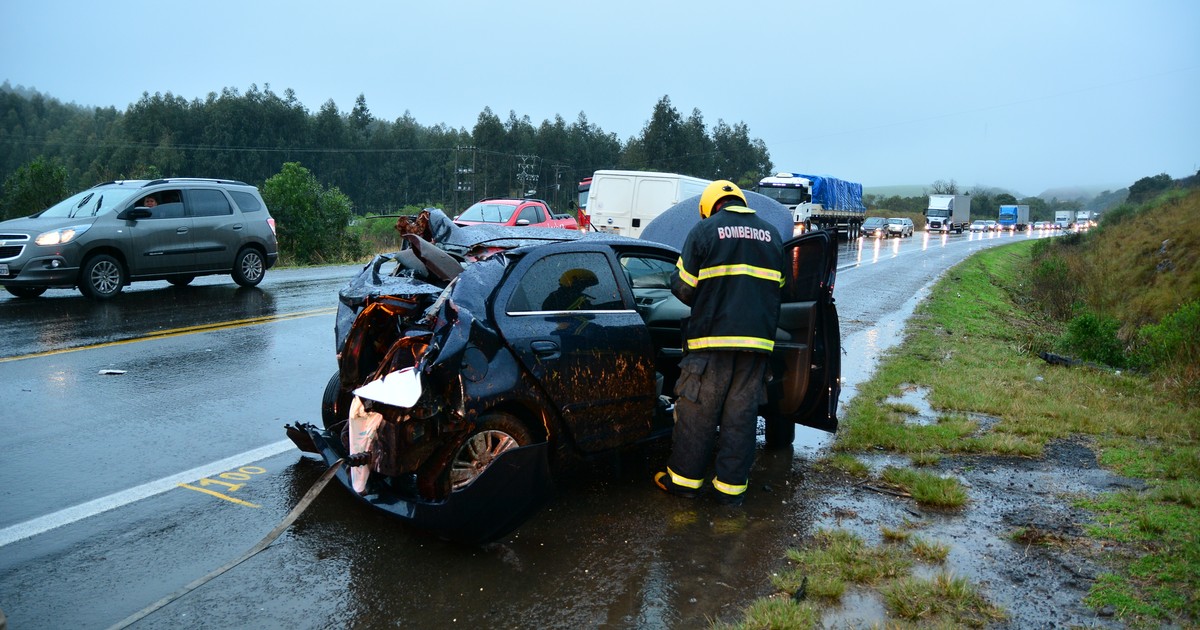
<point>271,222</point>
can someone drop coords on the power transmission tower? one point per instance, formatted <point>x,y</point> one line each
<point>527,176</point>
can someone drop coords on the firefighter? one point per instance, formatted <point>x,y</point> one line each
<point>730,274</point>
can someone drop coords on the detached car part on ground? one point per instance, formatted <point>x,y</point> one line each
<point>464,378</point>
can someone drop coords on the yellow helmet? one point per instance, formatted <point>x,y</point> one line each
<point>578,279</point>
<point>717,191</point>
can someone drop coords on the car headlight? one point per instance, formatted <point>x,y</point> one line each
<point>61,236</point>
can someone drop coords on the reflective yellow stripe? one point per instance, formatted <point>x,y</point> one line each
<point>680,480</point>
<point>742,343</point>
<point>727,488</point>
<point>741,270</point>
<point>688,278</point>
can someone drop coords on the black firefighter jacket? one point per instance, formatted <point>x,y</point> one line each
<point>730,273</point>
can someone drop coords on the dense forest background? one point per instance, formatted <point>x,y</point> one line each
<point>382,166</point>
<point>387,166</point>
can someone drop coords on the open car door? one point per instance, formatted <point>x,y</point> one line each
<point>806,366</point>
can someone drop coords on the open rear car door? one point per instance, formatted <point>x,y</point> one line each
<point>806,365</point>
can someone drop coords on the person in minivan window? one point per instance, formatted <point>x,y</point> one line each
<point>149,202</point>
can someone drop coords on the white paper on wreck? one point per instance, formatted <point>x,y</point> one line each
<point>401,388</point>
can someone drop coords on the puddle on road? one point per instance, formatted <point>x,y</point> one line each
<point>861,351</point>
<point>916,398</point>
<point>858,609</point>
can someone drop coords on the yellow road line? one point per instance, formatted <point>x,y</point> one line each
<point>218,495</point>
<point>177,332</point>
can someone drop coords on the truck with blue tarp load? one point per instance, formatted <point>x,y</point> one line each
<point>1013,217</point>
<point>818,201</point>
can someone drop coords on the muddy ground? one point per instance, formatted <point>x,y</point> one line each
<point>1039,580</point>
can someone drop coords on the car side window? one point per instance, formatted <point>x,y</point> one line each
<point>533,214</point>
<point>647,273</point>
<point>208,203</point>
<point>172,210</point>
<point>245,201</point>
<point>567,282</point>
<point>164,204</point>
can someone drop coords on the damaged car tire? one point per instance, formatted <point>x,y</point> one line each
<point>333,408</point>
<point>493,435</point>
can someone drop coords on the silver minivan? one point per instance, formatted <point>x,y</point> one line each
<point>107,236</point>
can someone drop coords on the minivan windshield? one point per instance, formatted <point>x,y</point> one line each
<point>92,202</point>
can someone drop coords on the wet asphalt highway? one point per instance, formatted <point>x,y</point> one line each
<point>119,488</point>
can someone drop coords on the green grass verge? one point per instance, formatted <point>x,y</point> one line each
<point>979,327</point>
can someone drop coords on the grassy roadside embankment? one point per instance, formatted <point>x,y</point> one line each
<point>974,347</point>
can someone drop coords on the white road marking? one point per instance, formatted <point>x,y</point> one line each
<point>43,524</point>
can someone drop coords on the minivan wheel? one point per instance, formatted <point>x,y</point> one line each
<point>102,277</point>
<point>248,267</point>
<point>25,292</point>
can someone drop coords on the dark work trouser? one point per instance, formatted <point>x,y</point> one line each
<point>717,388</point>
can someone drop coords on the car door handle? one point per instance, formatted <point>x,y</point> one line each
<point>544,348</point>
<point>237,226</point>
<point>181,230</point>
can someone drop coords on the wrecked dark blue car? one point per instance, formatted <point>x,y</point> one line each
<point>474,357</point>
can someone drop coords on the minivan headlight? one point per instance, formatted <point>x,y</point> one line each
<point>61,236</point>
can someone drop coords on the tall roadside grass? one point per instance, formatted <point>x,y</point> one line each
<point>1128,291</point>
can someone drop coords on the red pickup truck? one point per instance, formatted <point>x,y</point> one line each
<point>504,211</point>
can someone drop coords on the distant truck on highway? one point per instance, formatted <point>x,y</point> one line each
<point>948,213</point>
<point>1086,218</point>
<point>1063,218</point>
<point>624,202</point>
<point>818,201</point>
<point>1013,217</point>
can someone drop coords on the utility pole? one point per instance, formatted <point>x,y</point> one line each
<point>464,174</point>
<point>558,173</point>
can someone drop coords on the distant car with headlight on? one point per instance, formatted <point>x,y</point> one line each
<point>875,226</point>
<point>900,226</point>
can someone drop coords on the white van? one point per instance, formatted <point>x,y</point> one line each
<point>624,202</point>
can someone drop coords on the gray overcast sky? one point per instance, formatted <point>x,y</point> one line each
<point>1025,95</point>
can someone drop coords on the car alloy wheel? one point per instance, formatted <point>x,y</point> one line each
<point>248,269</point>
<point>103,277</point>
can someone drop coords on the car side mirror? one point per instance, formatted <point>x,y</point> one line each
<point>133,214</point>
<point>522,221</point>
